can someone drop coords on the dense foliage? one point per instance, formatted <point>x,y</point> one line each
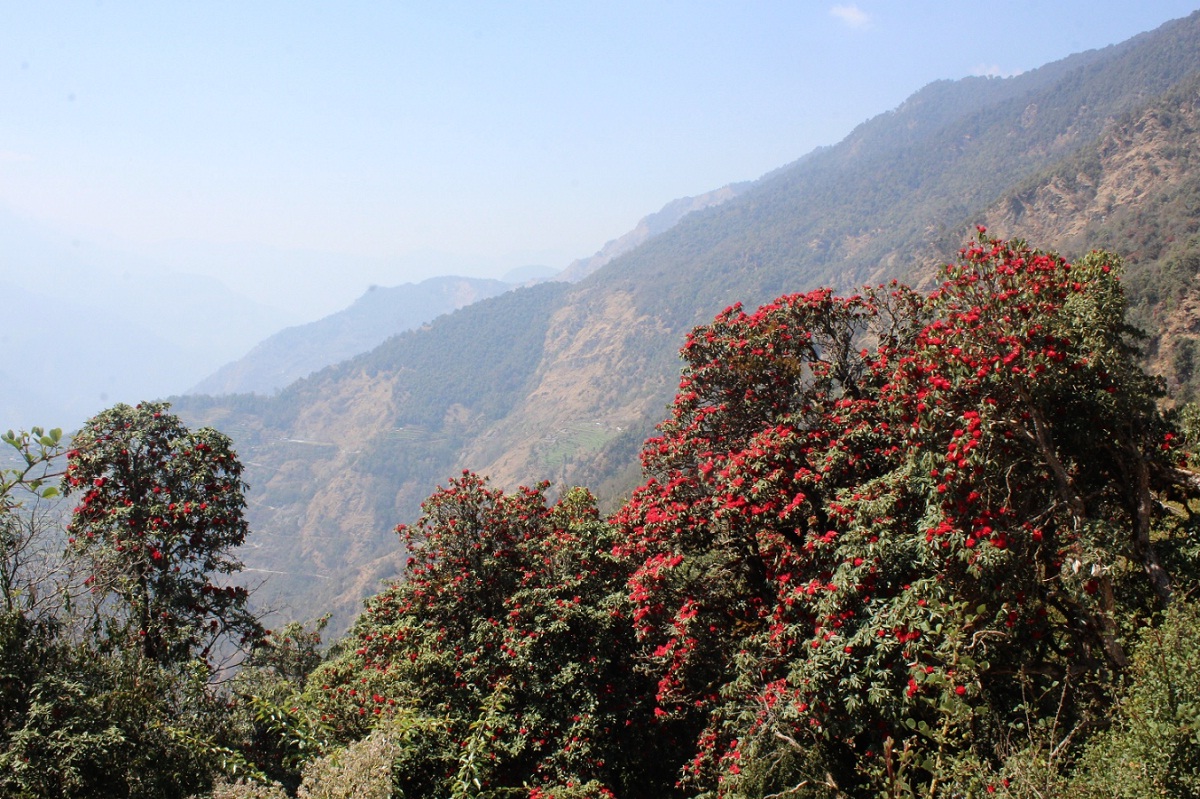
<point>509,637</point>
<point>897,543</point>
<point>891,544</point>
<point>1152,747</point>
<point>104,684</point>
<point>883,531</point>
<point>159,514</point>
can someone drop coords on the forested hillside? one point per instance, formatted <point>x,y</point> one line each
<point>575,377</point>
<point>1135,191</point>
<point>716,521</point>
<point>903,543</point>
<point>335,454</point>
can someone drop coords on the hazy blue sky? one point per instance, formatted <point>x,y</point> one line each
<point>387,141</point>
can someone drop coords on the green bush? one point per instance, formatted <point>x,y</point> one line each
<point>1152,748</point>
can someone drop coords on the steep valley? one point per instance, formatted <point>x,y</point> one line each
<point>563,382</point>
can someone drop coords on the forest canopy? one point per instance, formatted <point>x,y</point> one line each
<point>897,543</point>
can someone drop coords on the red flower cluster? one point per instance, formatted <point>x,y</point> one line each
<point>903,482</point>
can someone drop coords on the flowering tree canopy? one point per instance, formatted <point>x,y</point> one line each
<point>159,513</point>
<point>509,638</point>
<point>880,530</point>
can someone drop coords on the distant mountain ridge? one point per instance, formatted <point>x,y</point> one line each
<point>574,376</point>
<point>650,226</point>
<point>301,350</point>
<point>298,351</point>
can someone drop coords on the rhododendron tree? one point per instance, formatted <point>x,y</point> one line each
<point>881,532</point>
<point>83,714</point>
<point>159,514</point>
<point>504,655</point>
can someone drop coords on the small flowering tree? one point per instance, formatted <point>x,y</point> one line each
<point>880,532</point>
<point>122,712</point>
<point>508,643</point>
<point>159,513</point>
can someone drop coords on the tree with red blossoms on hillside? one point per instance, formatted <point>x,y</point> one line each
<point>879,531</point>
<point>504,654</point>
<point>159,514</point>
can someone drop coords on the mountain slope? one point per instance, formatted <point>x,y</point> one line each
<point>650,226</point>
<point>882,203</point>
<point>336,459</point>
<point>299,351</point>
<point>581,373</point>
<point>1136,192</point>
